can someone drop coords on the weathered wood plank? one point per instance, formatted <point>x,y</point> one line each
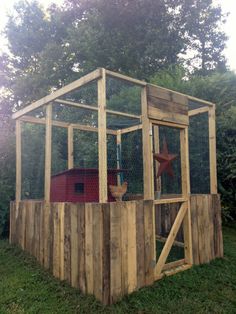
<point>67,243</point>
<point>97,251</point>
<point>115,240</point>
<point>125,253</point>
<point>75,249</point>
<point>160,92</point>
<point>89,247</point>
<point>195,234</point>
<point>106,253</point>
<point>132,257</point>
<point>149,242</point>
<point>140,240</point>
<point>81,246</point>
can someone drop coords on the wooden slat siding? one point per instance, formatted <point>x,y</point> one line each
<point>169,116</point>
<point>41,236</point>
<point>149,242</point>
<point>81,246</point>
<point>75,250</point>
<point>106,253</point>
<point>67,243</point>
<point>140,244</point>
<point>115,246</point>
<point>46,238</point>
<point>195,235</point>
<point>207,228</point>
<point>132,257</point>
<point>125,252</point>
<point>218,226</point>
<point>201,230</point>
<point>56,241</point>
<point>89,247</point>
<point>51,237</point>
<point>211,227</point>
<point>32,227</point>
<point>169,95</point>
<point>36,230</point>
<point>167,105</point>
<point>97,251</point>
<point>61,238</point>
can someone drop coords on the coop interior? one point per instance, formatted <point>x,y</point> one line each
<point>74,159</point>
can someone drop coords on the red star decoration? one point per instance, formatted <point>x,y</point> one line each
<point>165,159</point>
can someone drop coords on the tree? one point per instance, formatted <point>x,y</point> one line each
<point>205,37</point>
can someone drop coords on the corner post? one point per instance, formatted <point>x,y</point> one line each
<point>70,147</point>
<point>48,153</point>
<point>102,138</point>
<point>147,149</point>
<point>185,174</point>
<point>18,160</point>
<point>212,150</point>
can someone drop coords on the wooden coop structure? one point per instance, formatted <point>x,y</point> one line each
<point>107,132</point>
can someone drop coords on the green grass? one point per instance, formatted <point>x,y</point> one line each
<point>26,288</point>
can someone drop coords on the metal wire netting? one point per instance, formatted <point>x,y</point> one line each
<point>59,150</point>
<point>86,95</point>
<point>85,149</point>
<point>33,161</point>
<point>166,185</point>
<point>123,96</point>
<point>199,154</point>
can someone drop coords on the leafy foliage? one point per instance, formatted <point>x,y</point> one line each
<point>50,48</point>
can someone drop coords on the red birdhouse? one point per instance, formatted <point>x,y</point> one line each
<point>79,185</point>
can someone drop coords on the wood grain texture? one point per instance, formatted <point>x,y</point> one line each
<point>108,249</point>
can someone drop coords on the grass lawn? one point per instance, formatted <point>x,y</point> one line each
<point>26,288</point>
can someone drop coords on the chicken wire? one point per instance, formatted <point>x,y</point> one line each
<point>199,158</point>
<point>123,96</point>
<point>33,161</point>
<point>165,215</point>
<point>165,185</point>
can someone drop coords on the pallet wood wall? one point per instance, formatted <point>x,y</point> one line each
<point>108,250</point>
<point>206,228</point>
<point>167,105</point>
<point>102,249</point>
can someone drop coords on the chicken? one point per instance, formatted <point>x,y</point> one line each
<point>118,191</point>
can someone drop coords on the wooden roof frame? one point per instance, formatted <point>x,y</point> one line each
<point>94,75</point>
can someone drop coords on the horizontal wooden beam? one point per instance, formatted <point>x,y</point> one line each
<point>61,124</point>
<point>95,108</point>
<point>170,200</point>
<point>125,78</point>
<point>171,124</point>
<point>163,240</point>
<point>194,112</point>
<point>188,96</point>
<point>58,93</point>
<point>131,129</point>
<point>174,264</point>
<point>76,104</point>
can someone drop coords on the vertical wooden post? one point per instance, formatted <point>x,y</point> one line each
<point>212,150</point>
<point>70,147</point>
<point>147,150</point>
<point>157,150</point>
<point>185,176</point>
<point>18,160</point>
<point>148,179</point>
<point>102,138</point>
<point>118,145</point>
<point>48,153</point>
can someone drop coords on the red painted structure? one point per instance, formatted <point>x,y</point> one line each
<point>79,185</point>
